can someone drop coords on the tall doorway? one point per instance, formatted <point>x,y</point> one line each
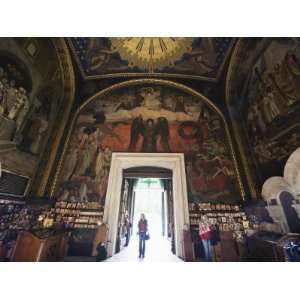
<point>119,189</point>
<point>146,190</point>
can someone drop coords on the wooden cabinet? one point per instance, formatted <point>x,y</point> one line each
<point>2,251</point>
<point>262,246</point>
<point>188,250</point>
<point>228,247</point>
<point>31,248</point>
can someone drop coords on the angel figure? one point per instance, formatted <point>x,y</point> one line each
<point>202,59</point>
<point>151,98</point>
<point>149,130</point>
<point>99,55</point>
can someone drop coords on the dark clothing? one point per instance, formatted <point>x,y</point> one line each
<point>173,246</point>
<point>142,244</point>
<point>149,142</point>
<point>292,252</point>
<point>127,234</point>
<point>102,253</point>
<point>215,236</point>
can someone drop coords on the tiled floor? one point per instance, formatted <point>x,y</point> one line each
<point>157,250</point>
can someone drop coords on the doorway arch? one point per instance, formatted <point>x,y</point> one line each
<point>122,161</point>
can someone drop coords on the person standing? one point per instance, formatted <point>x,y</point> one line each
<point>100,240</point>
<point>205,233</point>
<point>127,225</point>
<point>215,242</point>
<point>143,229</point>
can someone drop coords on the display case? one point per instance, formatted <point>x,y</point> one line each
<point>81,219</point>
<point>78,215</point>
<point>188,251</point>
<point>17,215</point>
<point>230,222</point>
<point>13,218</point>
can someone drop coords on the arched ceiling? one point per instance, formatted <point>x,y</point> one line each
<point>197,58</point>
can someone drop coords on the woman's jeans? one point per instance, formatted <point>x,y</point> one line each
<point>207,250</point>
<point>142,244</point>
<point>127,235</point>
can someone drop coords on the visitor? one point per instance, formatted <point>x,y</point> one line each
<point>142,232</point>
<point>172,238</point>
<point>99,243</point>
<point>205,233</point>
<point>101,252</point>
<point>215,242</point>
<point>127,225</point>
<point>292,250</point>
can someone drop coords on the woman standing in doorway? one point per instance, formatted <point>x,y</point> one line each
<point>143,229</point>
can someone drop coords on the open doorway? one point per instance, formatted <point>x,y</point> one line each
<point>174,162</point>
<point>146,190</point>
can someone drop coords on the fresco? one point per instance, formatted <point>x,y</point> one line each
<point>148,118</point>
<point>268,94</point>
<point>194,57</point>
<point>30,90</point>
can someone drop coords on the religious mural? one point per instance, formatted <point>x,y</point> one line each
<point>148,118</point>
<point>194,57</point>
<point>267,95</point>
<point>29,101</point>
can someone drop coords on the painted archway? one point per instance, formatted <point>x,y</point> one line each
<point>148,116</point>
<point>262,95</point>
<point>187,136</point>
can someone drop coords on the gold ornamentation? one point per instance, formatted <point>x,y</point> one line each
<point>151,53</point>
<point>236,129</point>
<point>68,78</point>
<point>147,75</point>
<point>141,82</point>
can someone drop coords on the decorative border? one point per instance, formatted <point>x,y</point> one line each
<point>67,99</point>
<point>25,48</point>
<point>157,82</point>
<point>236,127</point>
<point>151,75</point>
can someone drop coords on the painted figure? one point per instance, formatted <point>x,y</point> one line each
<point>150,122</point>
<point>271,109</point>
<point>149,131</point>
<point>149,136</point>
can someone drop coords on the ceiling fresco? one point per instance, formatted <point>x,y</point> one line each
<point>198,58</point>
<point>36,90</point>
